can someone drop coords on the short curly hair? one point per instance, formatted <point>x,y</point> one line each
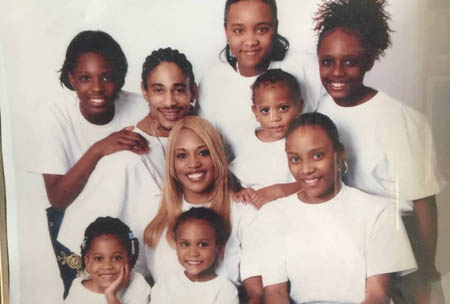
<point>366,18</point>
<point>272,76</point>
<point>110,226</point>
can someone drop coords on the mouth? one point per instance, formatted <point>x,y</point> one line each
<point>193,263</point>
<point>172,114</point>
<point>278,129</point>
<point>196,176</point>
<point>251,52</point>
<point>108,276</point>
<point>97,101</point>
<point>337,85</point>
<point>311,182</point>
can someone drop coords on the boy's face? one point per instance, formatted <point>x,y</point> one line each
<point>197,249</point>
<point>343,65</point>
<point>168,94</point>
<point>274,108</point>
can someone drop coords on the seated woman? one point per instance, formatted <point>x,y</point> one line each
<point>127,185</point>
<point>197,175</point>
<point>333,243</point>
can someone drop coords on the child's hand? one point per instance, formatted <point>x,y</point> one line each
<point>121,281</point>
<point>244,195</point>
<point>124,139</point>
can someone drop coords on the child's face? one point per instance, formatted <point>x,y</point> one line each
<point>93,80</point>
<point>104,261</point>
<point>313,162</point>
<point>274,108</point>
<point>168,94</point>
<point>343,65</point>
<point>197,249</point>
<point>250,32</point>
<point>194,166</point>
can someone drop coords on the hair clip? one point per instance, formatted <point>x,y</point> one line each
<point>131,235</point>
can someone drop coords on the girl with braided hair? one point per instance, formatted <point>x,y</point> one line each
<point>109,251</point>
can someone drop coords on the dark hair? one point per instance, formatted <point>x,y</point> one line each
<point>278,76</point>
<point>97,42</point>
<point>110,226</point>
<point>280,44</point>
<point>217,223</point>
<point>168,55</point>
<point>319,120</point>
<point>367,18</point>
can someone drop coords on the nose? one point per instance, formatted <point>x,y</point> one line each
<point>338,70</point>
<point>307,167</point>
<point>193,251</point>
<point>97,85</point>
<point>107,264</point>
<point>274,116</point>
<point>170,100</point>
<point>194,162</point>
<point>250,39</point>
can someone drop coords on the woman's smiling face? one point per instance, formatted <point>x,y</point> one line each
<point>194,167</point>
<point>313,162</point>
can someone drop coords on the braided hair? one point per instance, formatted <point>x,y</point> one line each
<point>168,55</point>
<point>367,18</point>
<point>110,226</point>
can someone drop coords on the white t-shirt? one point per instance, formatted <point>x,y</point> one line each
<point>178,289</point>
<point>137,292</point>
<point>65,135</point>
<point>328,250</point>
<point>124,185</point>
<point>260,164</point>
<point>226,96</point>
<point>389,148</point>
<point>163,260</point>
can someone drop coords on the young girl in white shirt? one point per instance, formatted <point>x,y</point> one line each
<point>200,237</point>
<point>74,134</point>
<point>127,185</point>
<point>253,46</point>
<point>197,175</point>
<point>390,149</point>
<point>109,252</point>
<point>333,243</point>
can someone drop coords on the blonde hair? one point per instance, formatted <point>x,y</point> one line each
<point>172,192</point>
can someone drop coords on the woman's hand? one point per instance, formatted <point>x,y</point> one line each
<point>121,281</point>
<point>124,139</point>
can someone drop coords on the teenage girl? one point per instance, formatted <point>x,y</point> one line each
<point>276,102</point>
<point>200,237</point>
<point>332,242</point>
<point>196,175</point>
<point>109,252</point>
<point>390,149</point>
<point>127,185</point>
<point>253,46</point>
<point>75,134</point>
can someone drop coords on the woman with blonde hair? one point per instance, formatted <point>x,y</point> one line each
<point>196,175</point>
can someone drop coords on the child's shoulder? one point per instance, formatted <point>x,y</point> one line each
<point>225,284</point>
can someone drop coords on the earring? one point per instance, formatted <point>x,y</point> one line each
<point>345,165</point>
<point>230,52</point>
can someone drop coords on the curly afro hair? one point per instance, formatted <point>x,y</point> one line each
<point>366,18</point>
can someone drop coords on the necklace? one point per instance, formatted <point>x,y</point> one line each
<point>155,134</point>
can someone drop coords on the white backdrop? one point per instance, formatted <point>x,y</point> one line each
<point>33,39</point>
